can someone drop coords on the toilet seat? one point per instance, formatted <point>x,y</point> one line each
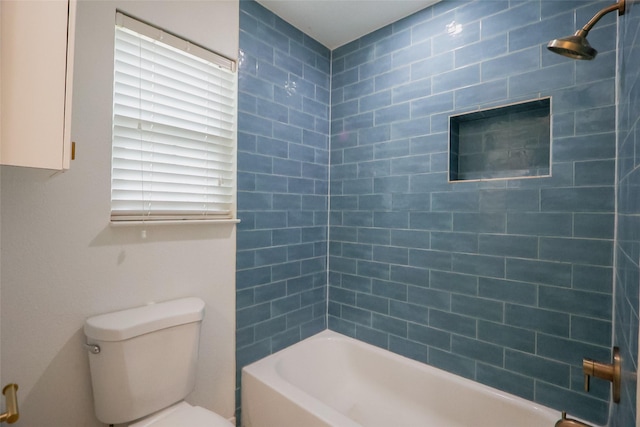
<point>183,414</point>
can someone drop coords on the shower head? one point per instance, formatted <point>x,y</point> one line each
<point>577,46</point>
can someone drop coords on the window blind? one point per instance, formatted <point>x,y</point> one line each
<point>174,128</point>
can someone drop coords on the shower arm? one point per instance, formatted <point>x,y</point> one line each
<point>620,7</point>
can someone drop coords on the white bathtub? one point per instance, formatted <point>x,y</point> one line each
<point>333,380</point>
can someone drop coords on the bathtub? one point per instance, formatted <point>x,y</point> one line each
<point>333,380</point>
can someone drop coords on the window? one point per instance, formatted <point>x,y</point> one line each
<point>174,128</point>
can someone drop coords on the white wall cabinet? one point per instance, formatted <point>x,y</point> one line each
<point>36,71</point>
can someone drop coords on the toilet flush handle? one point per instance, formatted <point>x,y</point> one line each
<point>92,348</point>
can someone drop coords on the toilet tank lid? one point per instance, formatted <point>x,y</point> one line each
<point>130,323</point>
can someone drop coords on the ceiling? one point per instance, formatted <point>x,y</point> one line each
<point>337,22</point>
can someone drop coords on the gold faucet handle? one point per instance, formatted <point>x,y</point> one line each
<point>588,368</point>
<point>607,371</point>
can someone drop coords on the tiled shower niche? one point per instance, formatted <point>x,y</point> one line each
<point>511,141</point>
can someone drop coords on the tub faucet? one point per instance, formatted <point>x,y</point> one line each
<point>606,371</point>
<point>569,422</point>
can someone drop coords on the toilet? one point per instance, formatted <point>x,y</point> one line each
<point>143,364</point>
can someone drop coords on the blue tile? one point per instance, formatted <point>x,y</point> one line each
<point>392,43</point>
<point>372,303</point>
<point>430,259</point>
<point>432,104</point>
<point>470,33</point>
<point>410,275</point>
<point>511,18</point>
<point>477,350</point>
<point>411,165</point>
<point>427,27</point>
<point>454,242</point>
<point>372,102</point>
<point>410,239</point>
<point>480,51</point>
<point>453,363</point>
<point>356,315</point>
<point>429,297</point>
<point>536,271</point>
<point>592,278</point>
<point>580,251</point>
<point>358,89</point>
<point>475,307</point>
<point>568,351</point>
<point>411,202</point>
<point>536,319</point>
<point>479,222</point>
<point>391,290</point>
<point>409,54</point>
<point>542,80</point>
<point>372,336</point>
<point>591,330</point>
<point>389,324</point>
<point>429,336</point>
<point>508,291</point>
<point>512,383</point>
<point>510,200</point>
<point>392,114</point>
<point>507,336</point>
<point>392,78</point>
<point>505,245</point>
<point>270,183</point>
<point>376,67</point>
<point>596,120</point>
<point>457,78</point>
<point>356,283</point>
<point>430,221</point>
<point>432,66</point>
<point>587,95</point>
<point>454,282</point>
<point>481,93</point>
<point>413,90</point>
<point>513,63</point>
<point>253,314</point>
<point>540,224</point>
<point>597,226</point>
<point>459,201</point>
<point>407,311</point>
<point>452,322</point>
<point>538,367</point>
<point>391,220</point>
<point>589,304</point>
<point>394,184</point>
<point>594,199</point>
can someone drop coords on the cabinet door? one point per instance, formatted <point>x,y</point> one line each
<point>36,63</point>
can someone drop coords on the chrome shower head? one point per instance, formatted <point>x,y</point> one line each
<point>577,46</point>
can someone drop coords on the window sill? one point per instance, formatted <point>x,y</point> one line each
<point>173,222</point>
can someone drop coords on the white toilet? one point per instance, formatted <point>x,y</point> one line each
<point>143,364</point>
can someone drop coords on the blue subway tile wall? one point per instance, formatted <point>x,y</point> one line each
<point>627,248</point>
<point>283,161</point>
<point>507,282</point>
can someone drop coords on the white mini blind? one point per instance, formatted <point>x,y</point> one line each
<point>174,128</point>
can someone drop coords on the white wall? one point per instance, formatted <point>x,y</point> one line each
<point>61,262</point>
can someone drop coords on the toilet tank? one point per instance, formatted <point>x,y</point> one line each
<point>147,358</point>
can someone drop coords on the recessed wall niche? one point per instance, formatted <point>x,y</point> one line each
<point>512,141</point>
